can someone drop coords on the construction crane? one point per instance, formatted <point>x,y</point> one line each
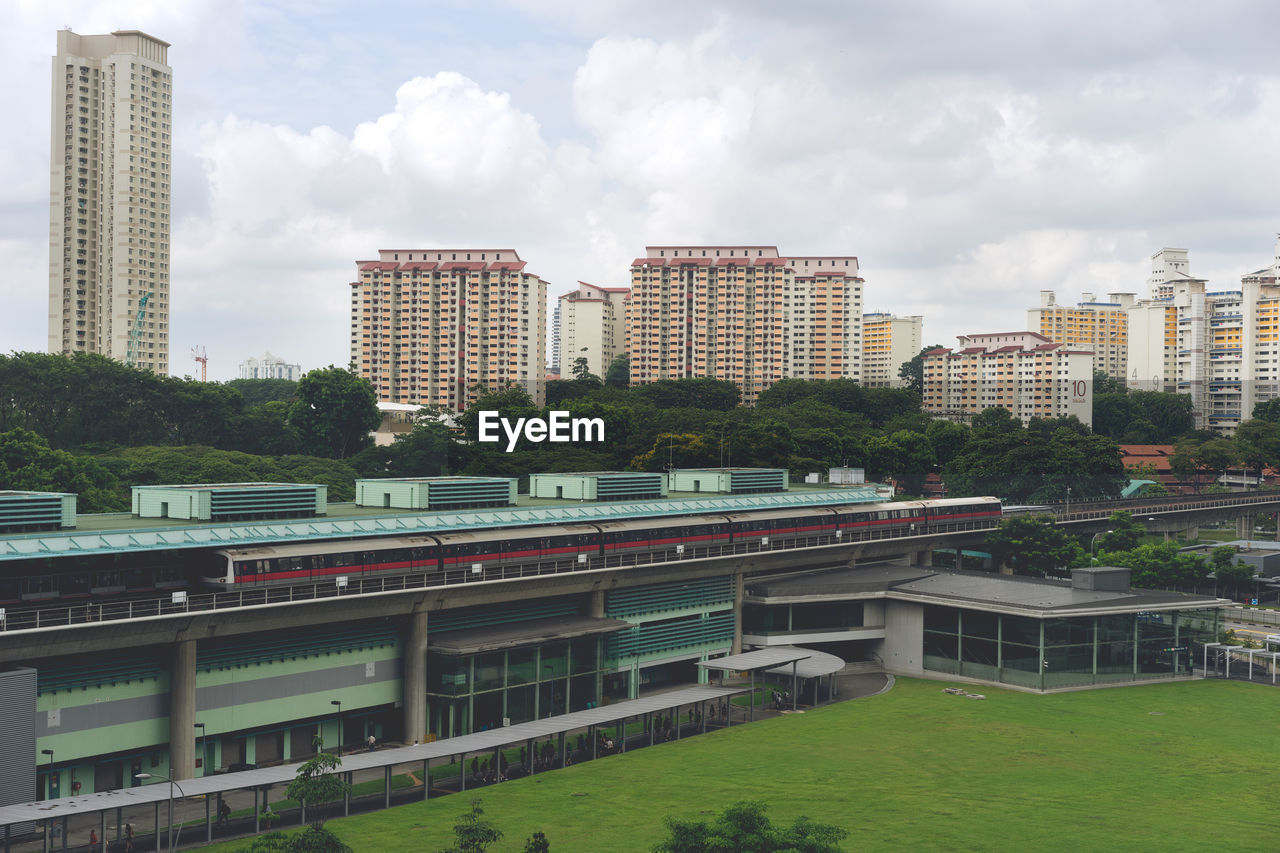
<point>199,354</point>
<point>135,334</point>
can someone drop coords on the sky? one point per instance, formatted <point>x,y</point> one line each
<point>970,153</point>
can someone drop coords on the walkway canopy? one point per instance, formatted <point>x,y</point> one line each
<point>478,743</point>
<point>782,660</point>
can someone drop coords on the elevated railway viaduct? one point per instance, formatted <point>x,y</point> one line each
<point>216,664</point>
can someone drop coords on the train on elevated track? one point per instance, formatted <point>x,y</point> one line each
<point>558,547</point>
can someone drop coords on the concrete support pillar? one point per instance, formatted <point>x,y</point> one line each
<point>597,604</point>
<point>1192,533</point>
<point>415,678</point>
<point>182,711</point>
<point>739,591</point>
<point>1244,526</point>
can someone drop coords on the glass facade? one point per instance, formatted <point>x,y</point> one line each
<point>1063,652</point>
<point>782,618</point>
<point>469,693</point>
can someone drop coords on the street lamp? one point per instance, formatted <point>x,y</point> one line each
<point>199,744</point>
<point>171,785</point>
<point>339,704</point>
<point>1093,546</point>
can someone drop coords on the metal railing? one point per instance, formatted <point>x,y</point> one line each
<point>1250,614</point>
<point>356,585</point>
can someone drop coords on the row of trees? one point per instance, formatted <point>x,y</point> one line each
<point>1034,546</point>
<point>91,403</point>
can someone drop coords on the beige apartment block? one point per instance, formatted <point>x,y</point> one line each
<point>431,326</point>
<point>745,314</point>
<point>109,206</point>
<point>1099,326</point>
<point>1024,372</point>
<point>590,323</point>
<point>887,342</point>
<point>1220,347</point>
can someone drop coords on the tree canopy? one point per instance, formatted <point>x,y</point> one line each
<point>744,828</point>
<point>335,411</point>
<point>1032,545</point>
<point>1054,459</point>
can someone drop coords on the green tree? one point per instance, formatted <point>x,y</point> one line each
<point>1258,443</point>
<point>1159,565</point>
<point>715,395</point>
<point>678,451</point>
<point>1047,460</point>
<point>1032,545</point>
<point>1230,572</point>
<point>335,411</point>
<point>1268,410</point>
<point>472,834</point>
<point>1104,383</point>
<point>317,783</point>
<point>255,392</point>
<point>27,463</point>
<point>618,374</point>
<point>537,844</point>
<point>913,371</point>
<point>1217,455</point>
<point>510,402</point>
<point>582,371</point>
<point>1184,462</point>
<point>1125,533</point>
<point>744,828</point>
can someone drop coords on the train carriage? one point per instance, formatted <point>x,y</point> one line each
<point>663,535</point>
<point>962,513</point>
<point>782,526</point>
<point>515,546</point>
<point>899,518</point>
<point>284,564</point>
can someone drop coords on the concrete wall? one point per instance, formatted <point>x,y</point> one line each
<point>903,647</point>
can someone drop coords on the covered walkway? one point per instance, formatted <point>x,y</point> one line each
<point>93,809</point>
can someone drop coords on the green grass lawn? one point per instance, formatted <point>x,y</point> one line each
<point>1184,766</point>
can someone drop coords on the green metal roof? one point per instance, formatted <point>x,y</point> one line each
<point>345,521</point>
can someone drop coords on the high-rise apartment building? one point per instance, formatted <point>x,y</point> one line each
<point>110,157</point>
<point>429,327</point>
<point>268,366</point>
<point>1168,267</point>
<point>744,314</point>
<point>887,342</point>
<point>1100,327</point>
<point>590,323</point>
<point>1024,372</point>
<point>1221,347</point>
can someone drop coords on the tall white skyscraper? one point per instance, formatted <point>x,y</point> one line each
<point>109,206</point>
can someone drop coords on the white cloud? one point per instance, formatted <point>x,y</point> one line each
<point>969,155</point>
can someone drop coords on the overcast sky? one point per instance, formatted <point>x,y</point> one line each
<point>969,153</point>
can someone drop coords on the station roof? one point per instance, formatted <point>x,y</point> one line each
<point>479,742</point>
<point>122,532</point>
<point>1035,597</point>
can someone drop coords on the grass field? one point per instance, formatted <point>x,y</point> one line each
<point>1186,766</point>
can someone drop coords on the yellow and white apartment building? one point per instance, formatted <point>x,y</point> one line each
<point>590,323</point>
<point>1102,327</point>
<point>887,342</point>
<point>745,314</point>
<point>1221,347</point>
<point>109,206</point>
<point>1023,372</point>
<point>429,326</point>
